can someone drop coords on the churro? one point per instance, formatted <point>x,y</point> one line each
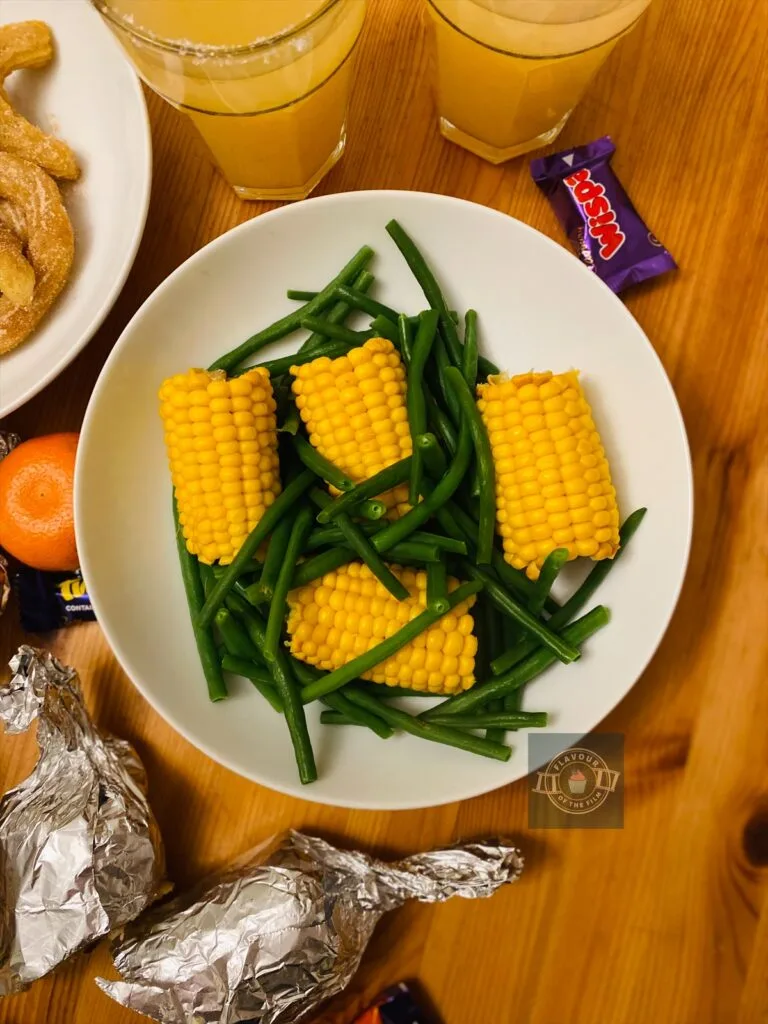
<point>24,139</point>
<point>17,278</point>
<point>24,44</point>
<point>28,44</point>
<point>12,218</point>
<point>50,244</point>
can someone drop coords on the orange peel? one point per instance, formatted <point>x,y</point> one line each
<point>17,278</point>
<point>50,245</point>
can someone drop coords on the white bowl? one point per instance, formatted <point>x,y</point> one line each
<point>538,307</point>
<point>91,98</point>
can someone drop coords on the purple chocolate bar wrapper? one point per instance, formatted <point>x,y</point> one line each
<point>604,227</point>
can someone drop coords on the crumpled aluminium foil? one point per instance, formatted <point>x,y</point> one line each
<point>283,929</point>
<point>80,852</point>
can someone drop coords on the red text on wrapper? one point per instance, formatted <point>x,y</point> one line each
<point>601,217</point>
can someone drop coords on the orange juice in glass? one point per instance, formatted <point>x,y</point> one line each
<point>266,82</point>
<point>509,72</point>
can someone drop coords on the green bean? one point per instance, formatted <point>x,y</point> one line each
<point>355,715</point>
<point>442,364</point>
<point>509,606</point>
<point>265,588</point>
<point>321,564</point>
<point>296,295</point>
<point>336,718</point>
<point>386,649</point>
<point>385,692</point>
<point>454,547</point>
<point>432,456</point>
<point>383,327</point>
<point>426,730</point>
<point>257,675</point>
<point>578,599</point>
<point>512,579</point>
<point>300,528</point>
<point>405,338</point>
<point>320,466</point>
<point>437,588</point>
<point>485,368</point>
<point>291,422</point>
<point>382,481</point>
<point>358,300</point>
<point>419,514</point>
<point>287,324</point>
<point>356,539</point>
<point>440,422</point>
<point>486,472</point>
<point>250,545</point>
<point>415,400</point>
<point>450,526</point>
<point>307,674</point>
<point>575,633</point>
<point>516,581</point>
<point>470,353</point>
<point>430,287</point>
<point>371,508</point>
<point>491,618</point>
<point>331,536</point>
<point>277,367</point>
<point>285,684</point>
<point>513,701</point>
<point>406,553</point>
<point>236,640</point>
<point>207,578</point>
<point>395,531</point>
<point>501,720</point>
<point>411,551</point>
<point>550,570</point>
<point>339,312</point>
<point>336,332</point>
<point>193,588</point>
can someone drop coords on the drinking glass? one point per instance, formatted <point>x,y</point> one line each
<point>266,82</point>
<point>509,72</point>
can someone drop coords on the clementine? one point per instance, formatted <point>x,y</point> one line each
<point>36,512</point>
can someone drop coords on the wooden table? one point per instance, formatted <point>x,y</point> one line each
<point>663,920</point>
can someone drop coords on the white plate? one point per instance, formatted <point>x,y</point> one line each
<point>90,97</point>
<point>539,307</point>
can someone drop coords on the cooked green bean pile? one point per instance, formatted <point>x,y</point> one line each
<point>448,529</point>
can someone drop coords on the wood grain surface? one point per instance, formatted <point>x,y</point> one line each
<point>665,920</point>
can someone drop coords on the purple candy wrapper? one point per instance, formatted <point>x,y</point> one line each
<point>603,226</point>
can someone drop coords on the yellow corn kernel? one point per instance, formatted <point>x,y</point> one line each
<point>223,456</point>
<point>363,613</point>
<point>553,486</point>
<point>355,413</point>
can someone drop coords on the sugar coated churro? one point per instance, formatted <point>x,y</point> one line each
<point>17,278</point>
<point>50,244</point>
<point>28,44</point>
<point>24,44</point>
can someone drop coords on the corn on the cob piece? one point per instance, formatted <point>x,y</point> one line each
<point>354,410</point>
<point>221,437</point>
<point>553,484</point>
<point>347,612</point>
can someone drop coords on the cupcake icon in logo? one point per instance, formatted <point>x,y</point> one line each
<point>577,781</point>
